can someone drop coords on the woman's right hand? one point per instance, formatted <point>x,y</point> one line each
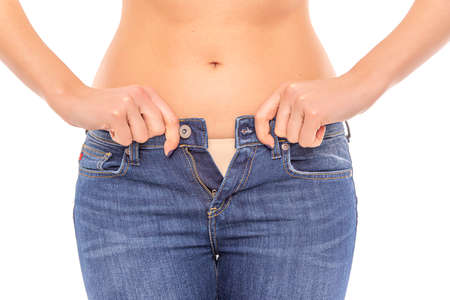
<point>129,113</point>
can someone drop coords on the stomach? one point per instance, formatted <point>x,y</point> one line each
<point>213,59</point>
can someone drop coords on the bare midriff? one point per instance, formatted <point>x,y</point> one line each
<point>213,59</point>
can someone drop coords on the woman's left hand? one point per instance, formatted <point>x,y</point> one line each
<point>302,109</point>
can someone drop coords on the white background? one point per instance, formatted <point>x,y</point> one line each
<point>399,147</point>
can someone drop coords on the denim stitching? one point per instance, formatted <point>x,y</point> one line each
<point>93,149</point>
<point>215,236</point>
<point>103,160</point>
<point>203,129</point>
<point>224,202</point>
<point>151,146</point>
<point>215,214</point>
<point>122,173</point>
<point>249,169</point>
<point>91,154</point>
<point>94,136</point>
<point>120,170</point>
<point>219,210</point>
<point>312,176</point>
<point>130,151</point>
<point>210,238</point>
<point>334,134</point>
<point>186,151</point>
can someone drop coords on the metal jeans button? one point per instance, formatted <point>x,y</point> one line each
<point>285,146</point>
<point>185,131</point>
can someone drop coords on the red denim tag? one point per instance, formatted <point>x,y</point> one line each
<point>81,155</point>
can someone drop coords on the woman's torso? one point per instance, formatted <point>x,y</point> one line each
<point>213,59</point>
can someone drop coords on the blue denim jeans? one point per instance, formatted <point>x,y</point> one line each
<point>281,224</point>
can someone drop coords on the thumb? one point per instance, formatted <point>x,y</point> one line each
<point>267,112</point>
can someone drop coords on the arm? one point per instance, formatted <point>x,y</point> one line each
<point>22,50</point>
<point>423,31</point>
<point>129,113</point>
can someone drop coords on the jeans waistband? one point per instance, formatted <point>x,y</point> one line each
<point>193,132</point>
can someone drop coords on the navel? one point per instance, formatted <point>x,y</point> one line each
<point>214,64</point>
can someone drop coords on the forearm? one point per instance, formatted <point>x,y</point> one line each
<point>25,54</point>
<point>423,31</point>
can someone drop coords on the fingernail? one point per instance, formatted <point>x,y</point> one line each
<point>170,153</point>
<point>270,146</point>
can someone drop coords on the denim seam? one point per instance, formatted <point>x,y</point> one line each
<point>130,151</point>
<point>92,154</point>
<point>100,139</point>
<point>187,145</point>
<point>248,173</point>
<point>203,129</point>
<point>213,250</point>
<point>93,149</point>
<point>333,134</point>
<point>105,158</point>
<point>249,144</point>
<point>233,159</point>
<point>101,159</point>
<point>215,237</point>
<point>193,169</point>
<point>276,147</point>
<point>219,210</point>
<point>134,149</point>
<point>121,173</point>
<point>162,146</point>
<point>291,173</point>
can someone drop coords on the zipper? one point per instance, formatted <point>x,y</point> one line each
<point>212,192</point>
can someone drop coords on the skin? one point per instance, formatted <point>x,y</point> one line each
<point>218,60</point>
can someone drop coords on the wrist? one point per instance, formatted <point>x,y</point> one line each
<point>368,86</point>
<point>64,100</point>
<point>369,80</point>
<point>62,93</point>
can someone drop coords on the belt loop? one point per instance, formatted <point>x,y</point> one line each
<point>133,153</point>
<point>348,135</point>
<point>276,151</point>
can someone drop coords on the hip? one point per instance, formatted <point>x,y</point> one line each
<point>214,169</point>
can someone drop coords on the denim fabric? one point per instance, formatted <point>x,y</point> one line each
<point>281,224</point>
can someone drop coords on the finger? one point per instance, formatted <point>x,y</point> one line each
<point>152,116</point>
<point>295,123</point>
<point>283,116</point>
<point>170,119</point>
<point>120,131</point>
<point>265,113</point>
<point>287,105</point>
<point>136,122</point>
<point>312,131</point>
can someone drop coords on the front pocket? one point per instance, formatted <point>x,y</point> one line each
<point>330,160</point>
<point>102,160</point>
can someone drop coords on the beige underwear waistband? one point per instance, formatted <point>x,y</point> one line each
<point>222,151</point>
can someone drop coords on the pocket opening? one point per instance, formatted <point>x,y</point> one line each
<point>338,166</point>
<point>100,163</point>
